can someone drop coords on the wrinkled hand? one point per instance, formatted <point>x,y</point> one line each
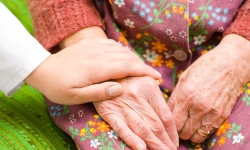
<point>140,116</point>
<point>76,72</point>
<point>207,91</point>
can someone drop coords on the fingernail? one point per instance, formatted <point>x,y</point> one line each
<point>140,147</point>
<point>115,90</point>
<point>158,73</point>
<point>177,145</point>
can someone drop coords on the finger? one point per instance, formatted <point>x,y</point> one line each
<point>124,132</point>
<point>129,56</point>
<point>210,122</point>
<point>194,120</point>
<point>141,129</point>
<point>124,68</point>
<point>172,100</point>
<point>162,110</point>
<point>179,110</point>
<point>163,132</point>
<point>199,137</point>
<point>96,92</point>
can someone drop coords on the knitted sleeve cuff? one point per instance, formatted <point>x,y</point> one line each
<point>241,23</point>
<point>55,20</point>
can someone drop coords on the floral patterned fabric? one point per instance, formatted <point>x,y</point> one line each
<point>169,36</point>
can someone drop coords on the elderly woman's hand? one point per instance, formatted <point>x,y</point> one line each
<point>207,91</point>
<point>140,116</point>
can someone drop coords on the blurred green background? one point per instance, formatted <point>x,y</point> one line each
<point>20,9</point>
<point>24,116</point>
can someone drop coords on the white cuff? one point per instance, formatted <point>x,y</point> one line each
<point>20,53</point>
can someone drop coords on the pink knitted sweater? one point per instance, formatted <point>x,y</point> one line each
<point>54,20</point>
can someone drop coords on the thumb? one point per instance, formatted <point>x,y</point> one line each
<point>98,92</point>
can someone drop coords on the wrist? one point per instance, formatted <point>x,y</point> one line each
<point>39,75</point>
<point>93,32</point>
<point>237,48</point>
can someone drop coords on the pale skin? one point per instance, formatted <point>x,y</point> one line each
<point>203,98</point>
<point>207,91</point>
<point>140,115</point>
<point>141,120</point>
<point>76,74</point>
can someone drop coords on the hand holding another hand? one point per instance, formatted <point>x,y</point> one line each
<point>78,72</point>
<point>140,116</point>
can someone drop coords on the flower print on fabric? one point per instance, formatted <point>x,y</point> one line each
<point>112,134</point>
<point>158,62</point>
<point>203,49</point>
<point>227,133</point>
<point>72,119</point>
<point>151,11</point>
<point>98,133</point>
<point>238,138</point>
<point>103,126</point>
<point>129,23</point>
<point>246,97</point>
<point>170,63</point>
<point>150,56</point>
<point>206,17</point>
<point>158,46</point>
<point>183,34</point>
<point>191,1</point>
<point>169,32</point>
<point>120,3</point>
<point>140,42</point>
<point>223,128</point>
<point>198,40</point>
<point>94,143</point>
<point>222,141</point>
<point>56,111</point>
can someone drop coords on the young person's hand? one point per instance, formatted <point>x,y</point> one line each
<point>78,72</point>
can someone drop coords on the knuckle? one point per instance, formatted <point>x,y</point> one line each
<point>128,137</point>
<point>97,94</point>
<point>168,119</point>
<point>142,130</point>
<point>119,130</point>
<point>158,128</point>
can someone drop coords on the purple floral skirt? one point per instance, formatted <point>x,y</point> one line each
<point>89,131</point>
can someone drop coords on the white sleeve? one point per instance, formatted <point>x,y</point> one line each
<point>20,53</point>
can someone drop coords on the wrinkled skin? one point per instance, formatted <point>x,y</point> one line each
<point>140,115</point>
<point>207,91</point>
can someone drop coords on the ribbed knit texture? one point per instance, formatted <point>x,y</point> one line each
<point>25,123</point>
<point>241,23</point>
<point>54,20</point>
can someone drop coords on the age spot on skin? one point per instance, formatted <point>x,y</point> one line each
<point>212,58</point>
